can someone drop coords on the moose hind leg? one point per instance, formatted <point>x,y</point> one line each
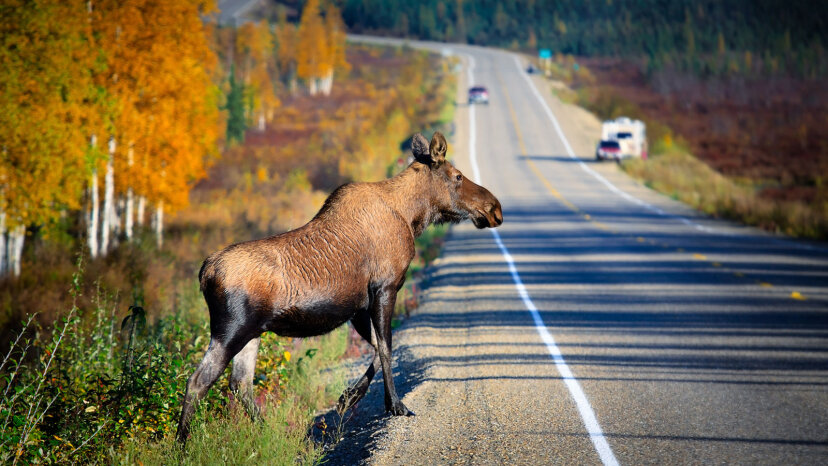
<point>353,394</point>
<point>381,319</point>
<point>241,377</point>
<point>205,375</point>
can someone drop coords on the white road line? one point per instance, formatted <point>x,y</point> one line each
<point>584,408</point>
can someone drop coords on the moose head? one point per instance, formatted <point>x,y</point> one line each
<point>453,196</point>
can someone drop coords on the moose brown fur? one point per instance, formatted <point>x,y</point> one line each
<point>346,264</point>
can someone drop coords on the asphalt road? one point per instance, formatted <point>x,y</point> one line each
<point>233,12</point>
<point>658,335</point>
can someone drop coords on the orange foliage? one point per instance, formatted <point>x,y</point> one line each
<point>257,64</point>
<point>46,110</point>
<point>321,45</point>
<point>160,78</point>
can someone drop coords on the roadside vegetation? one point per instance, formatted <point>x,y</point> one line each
<point>784,194</point>
<point>96,350</point>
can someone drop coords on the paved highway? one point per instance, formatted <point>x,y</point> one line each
<point>233,12</point>
<point>603,322</point>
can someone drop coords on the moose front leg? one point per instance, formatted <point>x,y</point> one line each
<point>381,313</point>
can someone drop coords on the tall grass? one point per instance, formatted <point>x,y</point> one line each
<point>282,435</point>
<point>683,177</point>
<point>100,378</point>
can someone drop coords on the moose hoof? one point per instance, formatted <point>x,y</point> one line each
<point>399,409</point>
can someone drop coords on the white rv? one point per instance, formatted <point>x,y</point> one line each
<point>630,136</point>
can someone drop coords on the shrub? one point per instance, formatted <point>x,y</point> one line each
<point>77,391</point>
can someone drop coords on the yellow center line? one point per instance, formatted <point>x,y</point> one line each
<point>525,153</point>
<point>797,295</point>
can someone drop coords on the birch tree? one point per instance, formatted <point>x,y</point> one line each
<point>335,35</point>
<point>161,78</point>
<point>258,67</point>
<point>321,46</point>
<point>94,205</point>
<point>44,105</point>
<point>312,51</point>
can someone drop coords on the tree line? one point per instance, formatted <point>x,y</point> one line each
<point>112,110</point>
<point>707,36</point>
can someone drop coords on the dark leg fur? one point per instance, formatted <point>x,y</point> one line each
<point>352,395</point>
<point>205,375</point>
<point>208,371</point>
<point>381,312</point>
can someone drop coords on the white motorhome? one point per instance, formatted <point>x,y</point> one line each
<point>631,136</point>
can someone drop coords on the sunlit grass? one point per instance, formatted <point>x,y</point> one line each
<point>683,177</point>
<point>228,435</point>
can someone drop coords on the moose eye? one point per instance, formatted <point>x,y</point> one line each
<point>458,177</point>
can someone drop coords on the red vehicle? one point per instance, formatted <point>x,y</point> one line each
<point>478,94</point>
<point>608,150</point>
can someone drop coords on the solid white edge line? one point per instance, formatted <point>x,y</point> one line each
<point>599,441</point>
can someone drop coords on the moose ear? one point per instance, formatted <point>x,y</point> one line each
<point>438,148</point>
<point>419,147</point>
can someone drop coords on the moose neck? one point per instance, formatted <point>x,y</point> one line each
<point>411,195</point>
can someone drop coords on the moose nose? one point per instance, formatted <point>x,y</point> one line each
<point>497,214</point>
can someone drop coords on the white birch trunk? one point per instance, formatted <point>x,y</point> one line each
<point>261,122</point>
<point>16,238</point>
<point>312,85</point>
<point>109,199</point>
<point>142,205</point>
<point>92,219</point>
<point>158,223</point>
<point>327,83</point>
<point>2,244</point>
<point>130,201</point>
<point>130,209</point>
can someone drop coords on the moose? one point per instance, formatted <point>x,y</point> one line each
<point>346,264</point>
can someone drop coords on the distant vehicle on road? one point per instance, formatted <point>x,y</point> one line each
<point>630,136</point>
<point>478,95</point>
<point>608,150</point>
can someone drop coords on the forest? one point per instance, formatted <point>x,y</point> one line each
<point>782,37</point>
<point>130,112</point>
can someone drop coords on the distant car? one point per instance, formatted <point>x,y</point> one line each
<point>478,95</point>
<point>608,150</point>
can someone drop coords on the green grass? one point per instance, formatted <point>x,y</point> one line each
<point>105,385</point>
<point>281,437</point>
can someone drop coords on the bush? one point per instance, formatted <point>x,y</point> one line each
<point>77,391</point>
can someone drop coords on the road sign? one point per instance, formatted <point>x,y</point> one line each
<point>545,54</point>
